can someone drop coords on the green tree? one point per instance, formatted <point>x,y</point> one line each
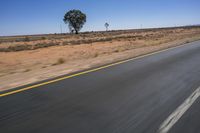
<point>75,20</point>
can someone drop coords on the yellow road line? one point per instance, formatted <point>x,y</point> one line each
<point>84,72</point>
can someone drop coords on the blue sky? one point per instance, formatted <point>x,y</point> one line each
<point>19,17</point>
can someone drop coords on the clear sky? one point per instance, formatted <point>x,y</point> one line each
<point>18,17</point>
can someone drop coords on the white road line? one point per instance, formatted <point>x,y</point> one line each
<point>176,115</point>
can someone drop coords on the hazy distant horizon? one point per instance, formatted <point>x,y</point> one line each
<point>97,30</point>
<point>45,16</point>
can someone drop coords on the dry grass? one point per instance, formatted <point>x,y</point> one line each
<point>37,42</point>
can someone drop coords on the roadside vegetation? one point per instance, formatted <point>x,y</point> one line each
<point>154,36</point>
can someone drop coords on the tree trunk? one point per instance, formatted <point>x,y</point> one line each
<point>76,31</point>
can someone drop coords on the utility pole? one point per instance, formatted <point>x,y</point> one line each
<point>60,28</point>
<point>141,26</point>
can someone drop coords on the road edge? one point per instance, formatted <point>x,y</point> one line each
<point>78,73</point>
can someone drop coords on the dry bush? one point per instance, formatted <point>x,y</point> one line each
<point>43,38</point>
<point>59,62</point>
<point>26,39</point>
<point>96,55</point>
<point>65,43</point>
<point>27,70</point>
<point>116,50</point>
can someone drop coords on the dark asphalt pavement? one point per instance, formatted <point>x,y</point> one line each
<point>133,97</point>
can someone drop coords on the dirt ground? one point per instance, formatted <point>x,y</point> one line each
<point>78,52</point>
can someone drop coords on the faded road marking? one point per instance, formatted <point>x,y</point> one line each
<point>178,113</point>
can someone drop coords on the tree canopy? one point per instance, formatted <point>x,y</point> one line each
<point>75,20</point>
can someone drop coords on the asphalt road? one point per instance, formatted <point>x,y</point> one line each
<point>133,97</point>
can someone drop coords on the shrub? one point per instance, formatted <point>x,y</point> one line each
<point>26,39</point>
<point>27,70</point>
<point>65,43</point>
<point>96,55</point>
<point>187,41</point>
<point>116,51</point>
<point>43,38</point>
<point>59,61</point>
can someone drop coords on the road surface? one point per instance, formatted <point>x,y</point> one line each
<point>137,96</point>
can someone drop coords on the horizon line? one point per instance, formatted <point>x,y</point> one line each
<point>83,32</point>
